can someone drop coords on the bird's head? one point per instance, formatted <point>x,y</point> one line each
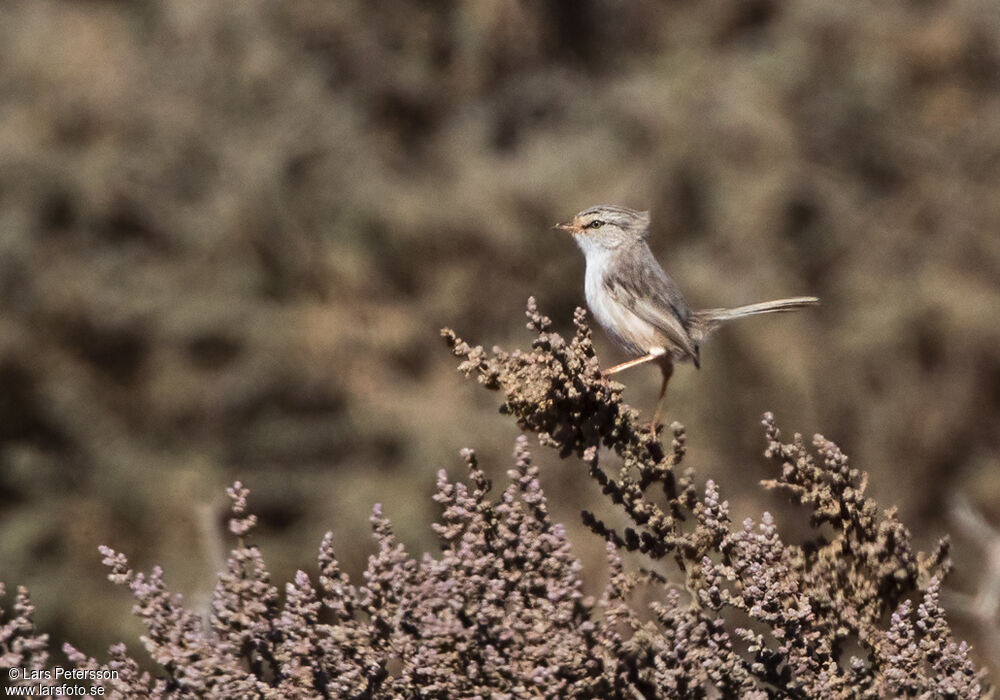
<point>607,227</point>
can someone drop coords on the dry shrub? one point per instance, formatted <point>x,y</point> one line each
<point>853,611</point>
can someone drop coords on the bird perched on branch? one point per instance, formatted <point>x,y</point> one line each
<point>638,304</point>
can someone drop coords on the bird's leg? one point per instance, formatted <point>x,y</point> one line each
<point>667,368</point>
<point>659,353</point>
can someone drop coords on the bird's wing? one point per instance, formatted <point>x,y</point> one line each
<point>656,299</point>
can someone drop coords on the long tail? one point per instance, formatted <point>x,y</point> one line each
<point>707,320</point>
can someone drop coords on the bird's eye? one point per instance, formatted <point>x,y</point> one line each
<point>596,223</point>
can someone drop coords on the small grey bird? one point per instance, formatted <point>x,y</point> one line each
<point>637,303</point>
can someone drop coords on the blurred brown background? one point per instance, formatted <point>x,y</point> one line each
<point>230,232</point>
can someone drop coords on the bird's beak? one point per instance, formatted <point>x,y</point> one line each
<point>570,226</point>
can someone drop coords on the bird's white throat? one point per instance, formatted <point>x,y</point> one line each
<point>599,261</point>
<point>592,247</point>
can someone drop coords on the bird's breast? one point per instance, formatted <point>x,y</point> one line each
<point>613,312</point>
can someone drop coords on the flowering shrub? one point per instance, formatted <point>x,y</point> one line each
<point>501,612</point>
